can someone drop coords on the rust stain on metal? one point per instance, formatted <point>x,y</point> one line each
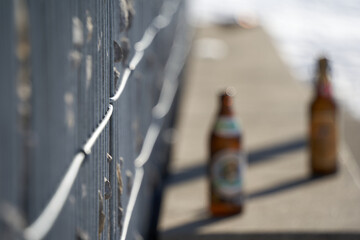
<point>77,32</point>
<point>119,193</point>
<point>108,157</point>
<point>99,44</point>
<point>131,13</point>
<point>118,53</point>
<point>101,213</point>
<point>23,51</point>
<point>119,179</point>
<point>22,29</point>
<point>88,71</point>
<point>69,109</point>
<point>108,190</point>
<point>78,41</point>
<point>116,75</point>
<point>81,234</point>
<point>75,57</point>
<point>89,26</point>
<point>125,45</point>
<point>120,216</point>
<point>83,191</point>
<point>124,15</point>
<point>24,90</point>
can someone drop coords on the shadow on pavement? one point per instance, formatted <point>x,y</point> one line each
<point>269,152</point>
<point>208,220</point>
<point>267,236</point>
<point>187,175</point>
<point>191,228</point>
<point>285,186</point>
<point>254,157</point>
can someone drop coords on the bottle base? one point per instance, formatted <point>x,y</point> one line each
<point>321,172</point>
<point>223,210</point>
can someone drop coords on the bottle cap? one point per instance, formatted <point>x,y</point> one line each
<point>229,91</point>
<point>323,65</point>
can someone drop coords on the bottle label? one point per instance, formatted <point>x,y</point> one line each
<point>227,175</point>
<point>324,89</point>
<point>227,127</point>
<point>323,139</point>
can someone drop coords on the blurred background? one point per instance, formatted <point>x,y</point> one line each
<point>107,106</point>
<point>268,51</point>
<point>300,32</point>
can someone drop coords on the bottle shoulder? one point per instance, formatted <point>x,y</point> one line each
<point>323,103</point>
<point>220,136</point>
<point>226,126</point>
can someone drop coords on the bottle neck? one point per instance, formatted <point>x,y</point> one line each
<point>323,86</point>
<point>226,106</point>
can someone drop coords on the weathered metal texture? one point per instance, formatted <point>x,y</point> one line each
<point>11,129</point>
<point>79,51</point>
<point>71,77</point>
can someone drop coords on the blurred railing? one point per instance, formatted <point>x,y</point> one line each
<point>89,92</point>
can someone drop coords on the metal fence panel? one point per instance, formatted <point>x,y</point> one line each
<point>79,53</point>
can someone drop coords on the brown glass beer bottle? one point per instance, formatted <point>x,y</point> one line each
<point>226,162</point>
<point>323,125</point>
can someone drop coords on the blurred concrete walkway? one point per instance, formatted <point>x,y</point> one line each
<point>283,201</point>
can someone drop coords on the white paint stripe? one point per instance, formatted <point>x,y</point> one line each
<point>38,229</point>
<point>175,63</point>
<point>149,142</point>
<point>136,60</point>
<point>124,80</point>
<point>161,21</point>
<point>139,174</point>
<point>90,142</point>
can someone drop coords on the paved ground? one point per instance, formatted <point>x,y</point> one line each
<point>283,201</point>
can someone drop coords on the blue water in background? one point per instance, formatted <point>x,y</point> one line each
<point>302,31</point>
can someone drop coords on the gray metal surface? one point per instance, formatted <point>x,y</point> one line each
<point>72,77</point>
